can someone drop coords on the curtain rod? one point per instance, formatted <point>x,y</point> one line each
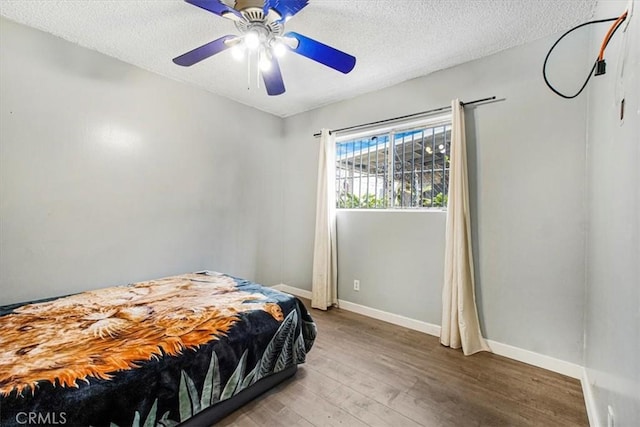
<point>421,113</point>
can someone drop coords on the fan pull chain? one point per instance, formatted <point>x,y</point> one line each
<point>248,70</point>
<point>257,58</point>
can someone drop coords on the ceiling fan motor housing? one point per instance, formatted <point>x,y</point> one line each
<point>255,19</point>
<point>240,5</point>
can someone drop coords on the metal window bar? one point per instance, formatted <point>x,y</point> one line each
<point>391,169</point>
<point>360,176</point>
<point>338,183</point>
<point>445,179</point>
<point>433,165</point>
<point>386,169</point>
<point>375,178</point>
<point>413,169</point>
<point>368,173</point>
<point>380,172</point>
<point>423,156</point>
<point>383,173</point>
<point>402,177</point>
<point>353,177</point>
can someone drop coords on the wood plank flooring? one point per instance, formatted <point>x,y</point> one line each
<point>364,372</point>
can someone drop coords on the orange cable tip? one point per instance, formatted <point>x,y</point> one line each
<point>610,32</point>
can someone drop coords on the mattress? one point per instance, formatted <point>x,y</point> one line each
<point>155,353</point>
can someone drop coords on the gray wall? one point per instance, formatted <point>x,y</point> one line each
<point>612,347</point>
<point>110,174</point>
<point>527,163</point>
<point>373,247</point>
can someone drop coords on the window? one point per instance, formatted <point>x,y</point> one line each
<point>395,169</point>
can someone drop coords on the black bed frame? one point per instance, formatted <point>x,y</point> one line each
<point>220,410</point>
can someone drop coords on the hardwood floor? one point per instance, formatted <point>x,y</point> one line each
<point>364,372</point>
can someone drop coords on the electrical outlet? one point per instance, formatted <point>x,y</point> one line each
<point>356,285</point>
<point>610,420</point>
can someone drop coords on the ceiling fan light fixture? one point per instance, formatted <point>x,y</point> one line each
<point>265,66</point>
<point>265,61</point>
<point>278,48</point>
<point>252,40</point>
<point>238,52</point>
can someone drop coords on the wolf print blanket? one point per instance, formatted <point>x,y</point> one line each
<point>147,354</point>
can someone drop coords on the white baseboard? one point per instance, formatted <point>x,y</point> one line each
<point>536,359</point>
<point>589,400</point>
<point>302,293</point>
<point>396,319</point>
<point>529,357</point>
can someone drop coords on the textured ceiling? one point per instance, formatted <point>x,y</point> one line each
<point>393,40</point>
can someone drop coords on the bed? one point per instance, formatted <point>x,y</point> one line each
<point>184,350</point>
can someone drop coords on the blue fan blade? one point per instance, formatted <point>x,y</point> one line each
<point>214,6</point>
<point>323,54</point>
<point>273,79</point>
<point>286,8</point>
<point>203,52</point>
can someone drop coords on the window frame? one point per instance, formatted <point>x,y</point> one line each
<point>391,130</point>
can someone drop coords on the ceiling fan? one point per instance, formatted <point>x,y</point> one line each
<point>261,26</point>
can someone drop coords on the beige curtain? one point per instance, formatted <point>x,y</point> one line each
<point>325,273</point>
<point>460,325</point>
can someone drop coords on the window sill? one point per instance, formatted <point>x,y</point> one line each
<point>433,210</point>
